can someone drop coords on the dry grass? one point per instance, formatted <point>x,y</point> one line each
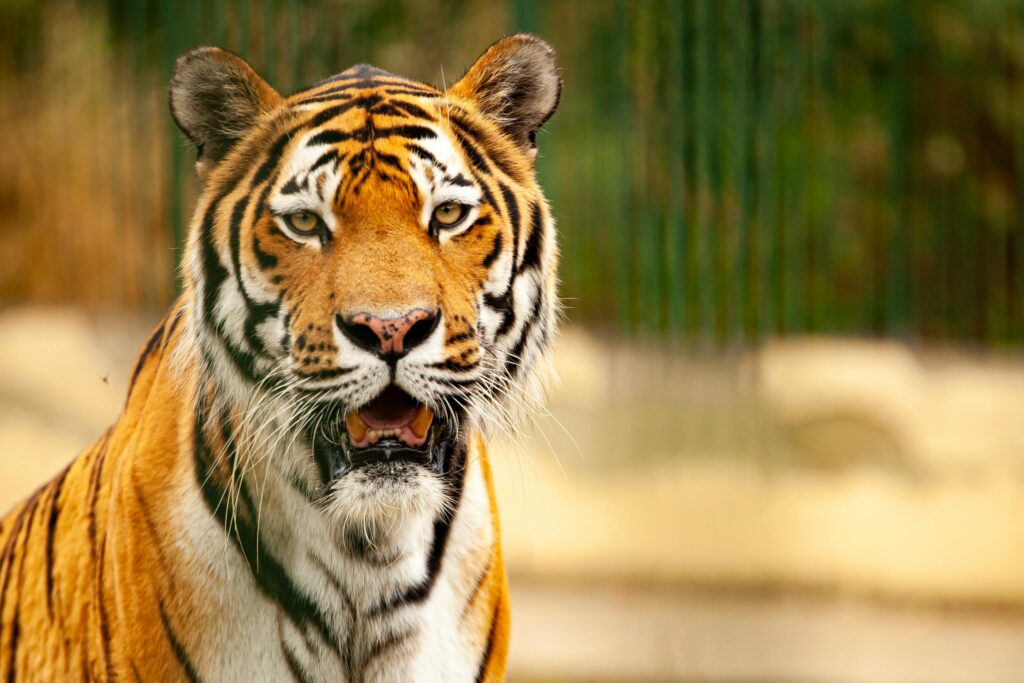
<point>83,174</point>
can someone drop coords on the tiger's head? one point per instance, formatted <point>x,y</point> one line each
<point>372,256</point>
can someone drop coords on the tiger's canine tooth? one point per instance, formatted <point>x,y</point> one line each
<point>421,423</point>
<point>355,425</point>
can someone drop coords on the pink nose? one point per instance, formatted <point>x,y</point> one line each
<point>389,337</point>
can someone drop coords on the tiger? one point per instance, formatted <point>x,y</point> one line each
<point>298,488</point>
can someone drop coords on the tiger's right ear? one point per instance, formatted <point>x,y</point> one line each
<point>216,97</point>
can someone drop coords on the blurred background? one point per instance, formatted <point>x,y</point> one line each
<point>788,441</point>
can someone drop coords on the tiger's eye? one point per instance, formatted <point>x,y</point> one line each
<point>449,214</point>
<point>303,222</point>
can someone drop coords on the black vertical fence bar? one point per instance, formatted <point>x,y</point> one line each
<point>703,137</point>
<point>898,220</point>
<point>1016,85</point>
<point>742,152</point>
<point>767,225</point>
<point>575,243</point>
<point>649,121</point>
<point>268,11</point>
<point>690,312</point>
<point>674,239</point>
<point>169,20</point>
<point>624,226</point>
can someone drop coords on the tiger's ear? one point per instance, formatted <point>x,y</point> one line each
<point>516,83</point>
<point>216,97</point>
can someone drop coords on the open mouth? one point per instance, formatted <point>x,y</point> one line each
<point>392,415</point>
<point>393,428</point>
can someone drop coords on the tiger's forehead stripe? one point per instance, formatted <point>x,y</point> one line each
<point>360,78</point>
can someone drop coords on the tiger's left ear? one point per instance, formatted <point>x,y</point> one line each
<point>216,98</point>
<point>516,83</point>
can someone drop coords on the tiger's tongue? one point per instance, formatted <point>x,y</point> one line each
<point>394,413</point>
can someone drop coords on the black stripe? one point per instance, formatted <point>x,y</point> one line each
<point>350,608</point>
<point>291,187</point>
<point>237,216</point>
<point>326,374</point>
<point>393,640</point>
<point>366,134</point>
<point>535,242</point>
<point>298,672</point>
<point>488,197</point>
<point>324,159</point>
<point>99,553</point>
<point>482,221</point>
<point>459,180</point>
<point>214,276</point>
<point>179,651</point>
<point>394,86</point>
<point>389,160</point>
<point>514,359</point>
<point>442,528</point>
<point>478,585</point>
<point>348,77</point>
<point>337,78</point>
<point>12,673</point>
<point>102,607</point>
<point>421,153</point>
<point>95,484</point>
<point>411,132</point>
<point>410,91</point>
<point>451,365</point>
<point>30,507</point>
<point>51,531</point>
<point>476,159</point>
<point>495,154</point>
<point>154,339</point>
<point>502,304</point>
<point>214,272</point>
<point>269,574</point>
<point>11,546</point>
<point>331,113</point>
<point>256,312</point>
<point>489,648</point>
<point>499,302</point>
<point>151,529</point>
<point>495,251</point>
<point>266,261</point>
<point>323,457</point>
<point>461,336</point>
<point>333,137</point>
<point>267,167</point>
<point>413,109</point>
<point>512,209</point>
<point>175,321</point>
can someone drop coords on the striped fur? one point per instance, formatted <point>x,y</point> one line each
<point>204,537</point>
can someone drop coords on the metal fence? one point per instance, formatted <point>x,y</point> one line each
<point>721,171</point>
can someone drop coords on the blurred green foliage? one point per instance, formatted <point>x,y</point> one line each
<point>721,171</point>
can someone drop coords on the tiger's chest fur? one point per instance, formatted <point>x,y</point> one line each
<point>398,603</point>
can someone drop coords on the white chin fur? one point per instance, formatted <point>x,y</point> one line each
<point>391,510</point>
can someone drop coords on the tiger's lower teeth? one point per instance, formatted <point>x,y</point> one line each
<point>375,435</point>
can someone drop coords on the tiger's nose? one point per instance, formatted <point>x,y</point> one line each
<point>389,338</point>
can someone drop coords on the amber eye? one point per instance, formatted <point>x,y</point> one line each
<point>303,222</point>
<point>450,214</point>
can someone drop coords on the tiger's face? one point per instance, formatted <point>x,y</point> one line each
<point>374,257</point>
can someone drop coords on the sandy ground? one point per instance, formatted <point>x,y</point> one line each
<point>813,510</point>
